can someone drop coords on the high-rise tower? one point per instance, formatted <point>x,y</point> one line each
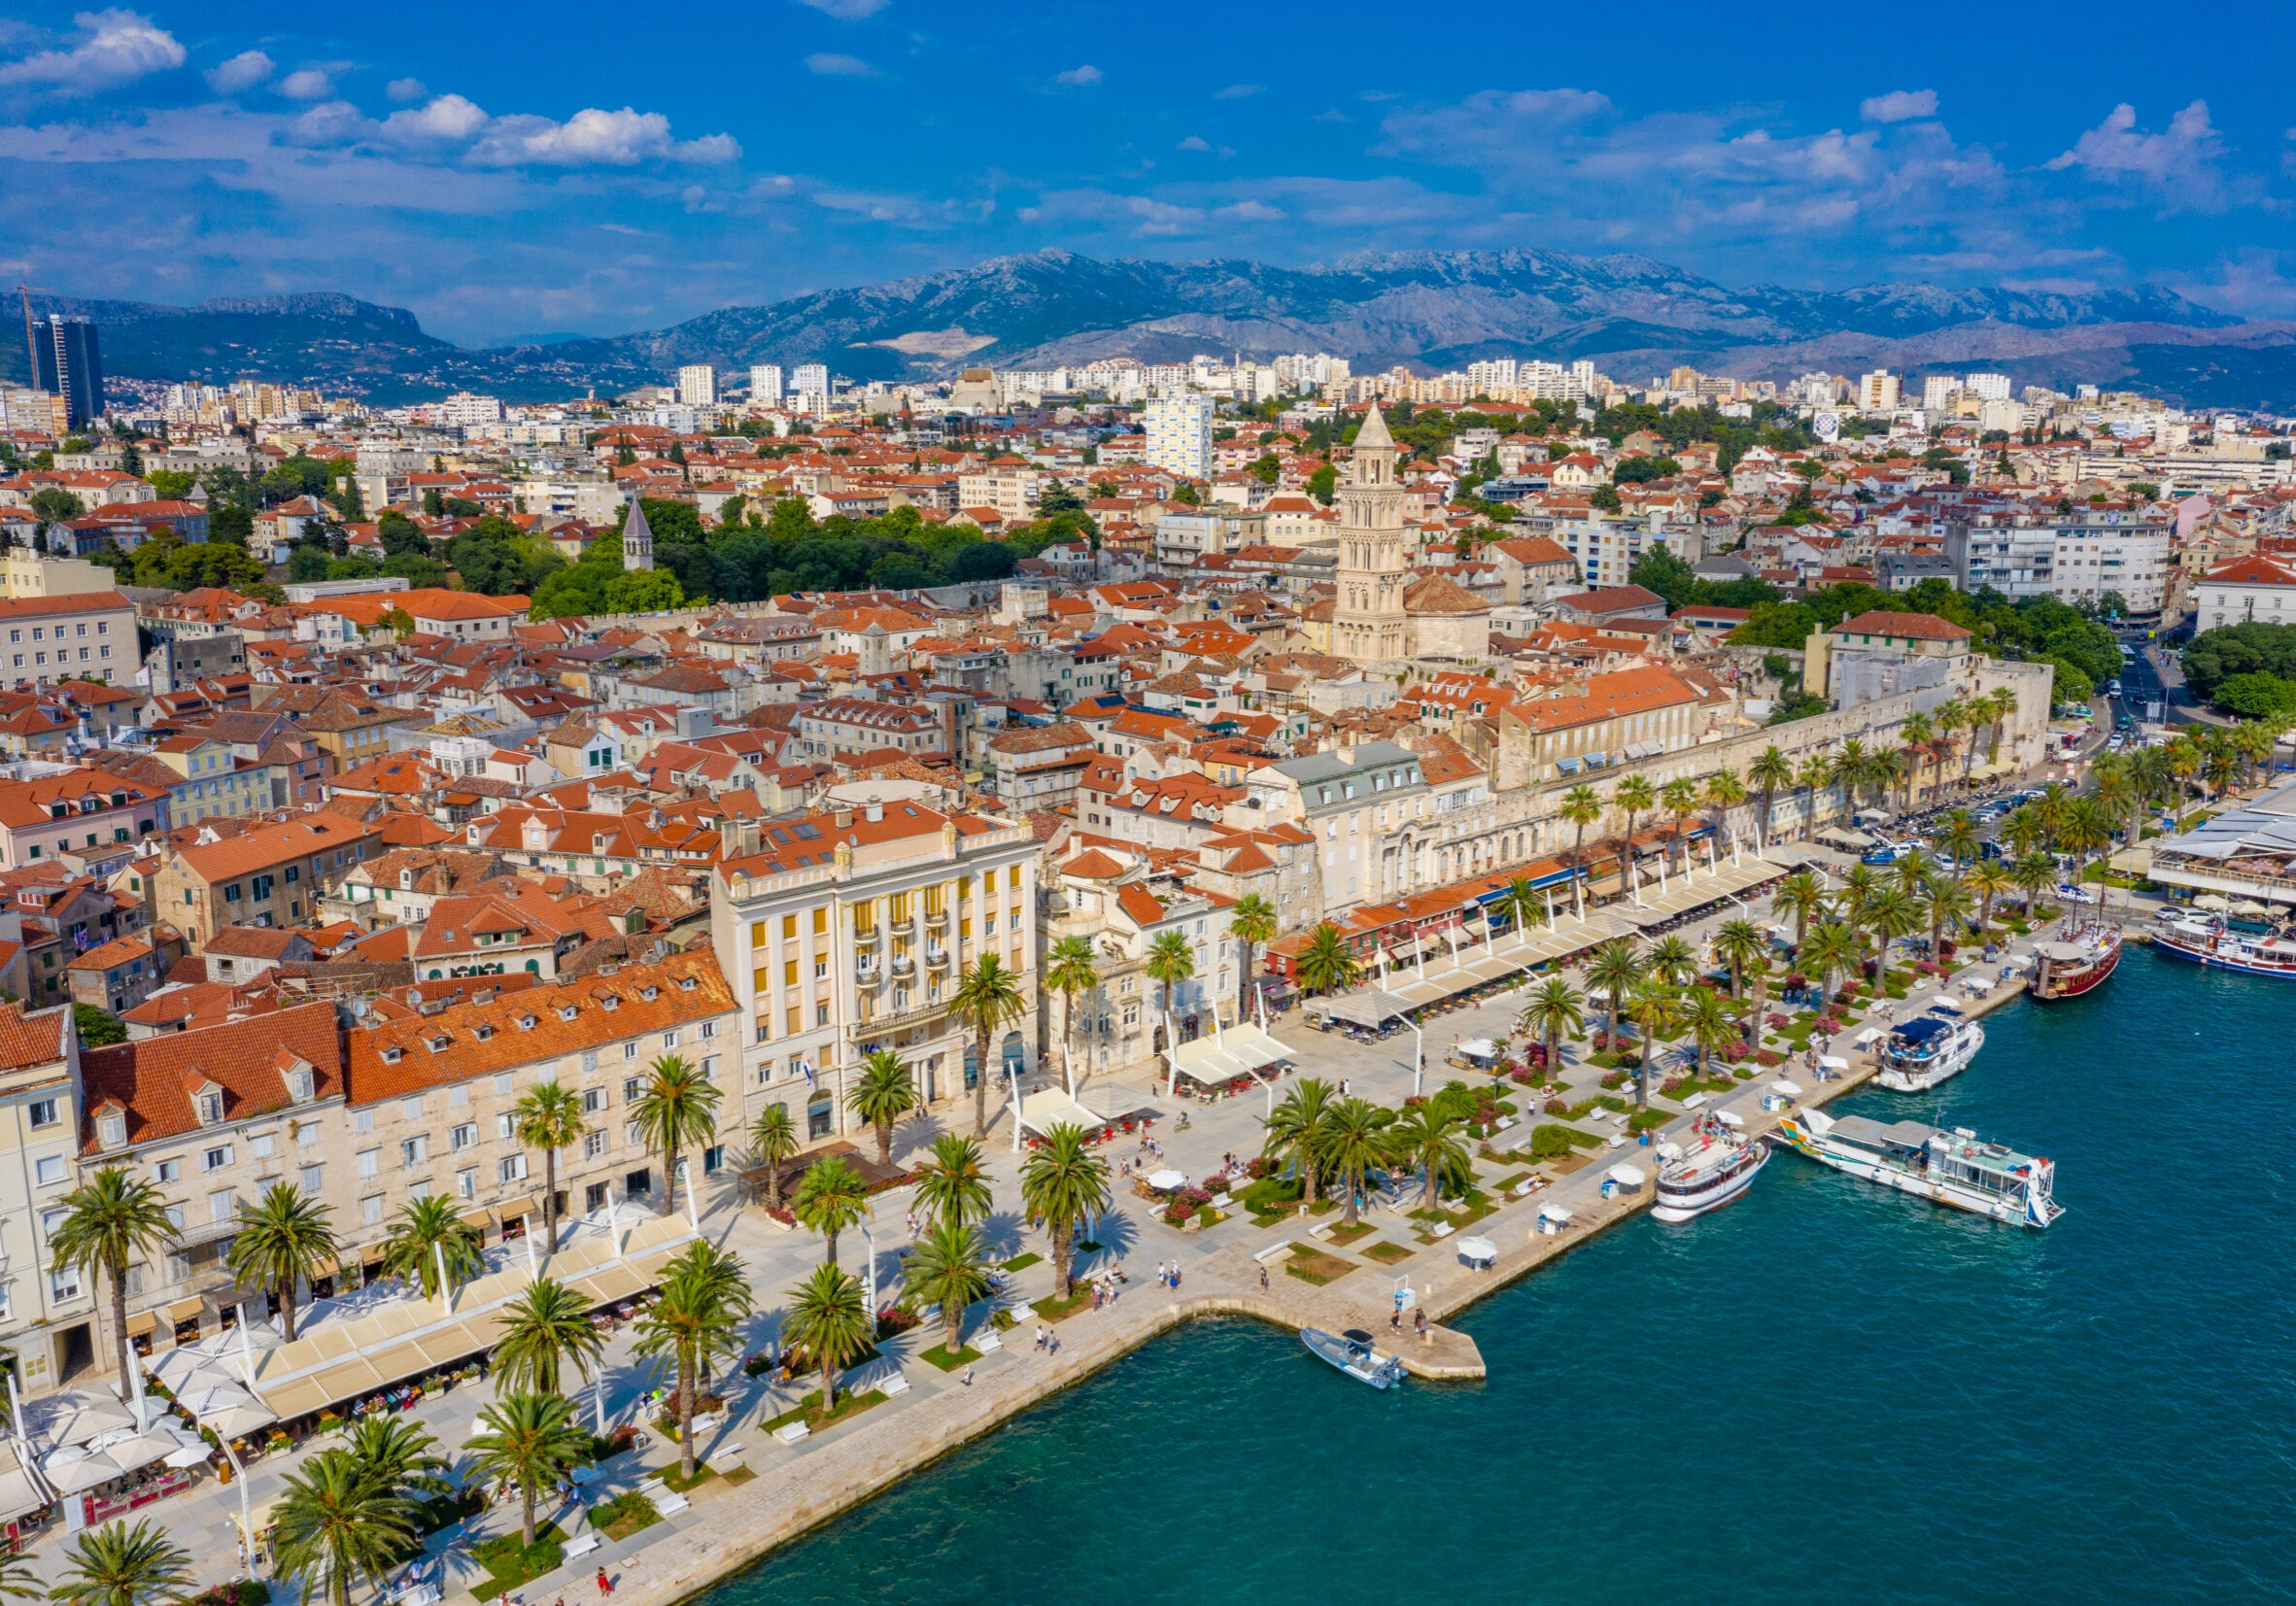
<point>1367,620</point>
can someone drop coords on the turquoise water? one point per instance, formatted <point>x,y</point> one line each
<point>1822,1393</point>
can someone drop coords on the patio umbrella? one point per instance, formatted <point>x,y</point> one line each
<point>1627,1176</point>
<point>1163,1181</point>
<point>2213,900</point>
<point>1478,1249</point>
<point>1557,1214</point>
<point>228,1410</point>
<point>1790,1089</point>
<point>73,1470</point>
<point>1730,1118</point>
<point>75,1416</point>
<point>2249,905</point>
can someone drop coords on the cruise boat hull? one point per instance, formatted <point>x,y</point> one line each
<point>2085,964</point>
<point>2223,951</point>
<point>1909,1067</point>
<point>1689,1191</point>
<point>1867,1150</point>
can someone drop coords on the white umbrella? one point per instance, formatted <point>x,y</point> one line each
<point>228,1410</point>
<point>75,1416</point>
<point>2211,901</point>
<point>1730,1118</point>
<point>1628,1177</point>
<point>1833,1062</point>
<point>1557,1214</point>
<point>1165,1181</point>
<point>1478,1249</point>
<point>189,1456</point>
<point>1669,1152</point>
<point>73,1470</point>
<point>2249,905</point>
<point>1788,1088</point>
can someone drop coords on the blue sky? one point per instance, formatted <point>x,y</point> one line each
<point>508,169</point>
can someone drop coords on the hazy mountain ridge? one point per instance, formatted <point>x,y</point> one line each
<point>1633,315</point>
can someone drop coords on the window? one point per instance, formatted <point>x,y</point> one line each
<point>263,1147</point>
<point>215,1158</point>
<point>589,1060</point>
<point>709,1029</point>
<point>466,1184</point>
<point>370,1209</point>
<point>413,1151</point>
<point>630,1086</point>
<point>502,1084</point>
<point>370,1162</point>
<point>505,1125</point>
<point>167,1171</point>
<point>41,1112</point>
<point>594,1145</point>
<point>670,1038</point>
<point>708,1066</point>
<point>411,1109</point>
<point>362,1120</point>
<point>457,1096</point>
<point>48,1170</point>
<point>594,1100</point>
<point>221,1205</point>
<point>512,1168</point>
<point>211,1108</point>
<point>308,1179</point>
<point>629,1050</point>
<point>64,1284</point>
<point>462,1137</point>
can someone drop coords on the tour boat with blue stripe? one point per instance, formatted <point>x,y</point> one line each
<point>1947,1166</point>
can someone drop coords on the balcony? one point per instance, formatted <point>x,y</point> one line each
<point>868,938</point>
<point>869,972</point>
<point>903,965</point>
<point>936,955</point>
<point>937,919</point>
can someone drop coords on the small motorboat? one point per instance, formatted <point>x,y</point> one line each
<point>1351,1352</point>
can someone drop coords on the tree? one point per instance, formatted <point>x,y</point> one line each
<point>535,1441</point>
<point>1615,967</point>
<point>118,1565</point>
<point>1062,1183</point>
<point>1070,972</point>
<point>1657,1007</point>
<point>880,1095</point>
<point>110,1221</point>
<point>1802,895</point>
<point>1772,771</point>
<point>830,1198</point>
<point>95,1028</point>
<point>1355,1139</point>
<point>337,1522</point>
<point>676,1107</point>
<point>1831,950</point>
<point>425,1231</point>
<point>1520,900</point>
<point>2033,874</point>
<point>1635,796</point>
<point>282,1243</point>
<point>549,1119</point>
<point>829,1320</point>
<point>952,1185</point>
<point>695,1322</point>
<point>1295,1129</point>
<point>1948,901</point>
<point>1671,959</point>
<point>1582,809</point>
<point>641,591</point>
<point>1424,1138</point>
<point>1327,964</point>
<point>1171,961</point>
<point>1710,1024</point>
<point>773,1140</point>
<point>1988,879</point>
<point>1890,913</point>
<point>987,999</point>
<point>542,1329</point>
<point>1554,1012</point>
<point>1722,793</point>
<point>1739,944</point>
<point>1679,798</point>
<point>399,1455</point>
<point>949,1267</point>
<point>1252,922</point>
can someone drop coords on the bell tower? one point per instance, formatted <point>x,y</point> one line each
<point>1367,619</point>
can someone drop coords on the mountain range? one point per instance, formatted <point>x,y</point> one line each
<point>1430,310</point>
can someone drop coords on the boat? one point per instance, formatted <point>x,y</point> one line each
<point>1351,1352</point>
<point>1710,1176</point>
<point>2221,948</point>
<point>2078,962</point>
<point>1932,1047</point>
<point>1949,1167</point>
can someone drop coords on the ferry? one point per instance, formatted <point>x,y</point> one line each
<point>1351,1352</point>
<point>1930,1048</point>
<point>1710,1176</point>
<point>2078,962</point>
<point>2223,949</point>
<point>1953,1167</point>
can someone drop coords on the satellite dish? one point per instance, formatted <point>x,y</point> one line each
<point>1826,426</point>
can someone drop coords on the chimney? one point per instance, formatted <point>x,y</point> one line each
<point>842,819</point>
<point>1347,750</point>
<point>875,811</point>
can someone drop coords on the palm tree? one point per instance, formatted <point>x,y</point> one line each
<point>1818,771</point>
<point>1635,796</point>
<point>695,1321</point>
<point>1957,836</point>
<point>338,1522</point>
<point>1582,809</point>
<point>1422,1138</point>
<point>398,1454</point>
<point>880,1095</point>
<point>1253,923</point>
<point>111,1221</point>
<point>1710,1024</point>
<point>1988,878</point>
<point>1722,793</point>
<point>830,1198</point>
<point>2003,707</point>
<point>1949,717</point>
<point>1062,1183</point>
<point>773,1140</point>
<point>2033,872</point>
<point>1802,893</point>
<point>952,1187</point>
<point>282,1243</point>
<point>1555,1013</point>
<point>1851,769</point>
<point>829,1319</point>
<point>1679,798</point>
<point>1327,964</point>
<point>1355,1139</point>
<point>987,999</point>
<point>1672,958</point>
<point>1520,900</point>
<point>1170,962</point>
<point>1890,914</point>
<point>1948,901</point>
<point>2022,830</point>
<point>1836,948</point>
<point>1296,1128</point>
<point>1772,771</point>
<point>533,1441</point>
<point>1657,1007</point>
<point>676,1107</point>
<point>949,1267</point>
<point>426,1229</point>
<point>548,1118</point>
<point>2088,827</point>
<point>1615,967</point>
<point>1739,943</point>
<point>1913,871</point>
<point>1913,737</point>
<point>542,1329</point>
<point>117,1565</point>
<point>1070,972</point>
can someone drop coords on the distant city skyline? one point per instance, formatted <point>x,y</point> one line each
<point>500,178</point>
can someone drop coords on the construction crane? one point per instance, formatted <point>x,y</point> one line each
<point>25,293</point>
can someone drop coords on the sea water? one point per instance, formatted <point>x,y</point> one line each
<point>1824,1392</point>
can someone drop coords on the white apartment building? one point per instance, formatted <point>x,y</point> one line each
<point>812,379</point>
<point>1877,392</point>
<point>1178,433</point>
<point>697,385</point>
<point>1988,386</point>
<point>467,411</point>
<point>47,1316</point>
<point>2075,559</point>
<point>2244,591</point>
<point>845,932</point>
<point>765,384</point>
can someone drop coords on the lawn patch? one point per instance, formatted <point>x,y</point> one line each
<point>1386,1254</point>
<point>1348,1235</point>
<point>1022,1262</point>
<point>623,1515</point>
<point>1080,1298</point>
<point>808,1410</point>
<point>674,1480</point>
<point>1317,1267</point>
<point>940,1356</point>
<point>740,1476</point>
<point>510,1563</point>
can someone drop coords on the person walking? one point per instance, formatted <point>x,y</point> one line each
<point>1264,1279</point>
<point>605,1585</point>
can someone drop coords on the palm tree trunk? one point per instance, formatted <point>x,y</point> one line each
<point>1348,1211</point>
<point>528,1491</point>
<point>286,1308</point>
<point>1307,1174</point>
<point>980,1081</point>
<point>1063,1253</point>
<point>550,1198</point>
<point>829,1255</point>
<point>829,1387</point>
<point>884,1127</point>
<point>685,1415</point>
<point>119,1278</point>
<point>954,1316</point>
<point>669,1182</point>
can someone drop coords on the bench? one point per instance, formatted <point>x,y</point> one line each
<point>672,1505</point>
<point>1322,1229</point>
<point>793,1432</point>
<point>1221,1201</point>
<point>1443,1229</point>
<point>1280,1246</point>
<point>894,1384</point>
<point>649,1486</point>
<point>708,1423</point>
<point>989,1341</point>
<point>729,1459</point>
<point>581,1546</point>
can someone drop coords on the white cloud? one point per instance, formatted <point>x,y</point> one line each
<point>451,127</point>
<point>1080,77</point>
<point>308,84</point>
<point>846,11</point>
<point>450,120</point>
<point>1239,92</point>
<point>1194,142</point>
<point>830,64</point>
<point>116,46</point>
<point>1899,106</point>
<point>243,71</point>
<point>2182,160</point>
<point>403,89</point>
<point>1250,212</point>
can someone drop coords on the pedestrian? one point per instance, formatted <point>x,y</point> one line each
<point>1395,1319</point>
<point>1264,1279</point>
<point>967,1380</point>
<point>605,1585</point>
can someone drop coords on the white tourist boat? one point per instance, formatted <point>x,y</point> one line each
<point>1949,1167</point>
<point>1934,1046</point>
<point>1709,1175</point>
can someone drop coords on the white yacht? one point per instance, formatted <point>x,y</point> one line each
<point>1719,1166</point>
<point>1930,1048</point>
<point>1952,1167</point>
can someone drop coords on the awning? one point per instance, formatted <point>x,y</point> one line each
<point>515,1209</point>
<point>184,1310</point>
<point>299,1398</point>
<point>1367,1009</point>
<point>1040,1112</point>
<point>477,1219</point>
<point>142,1322</point>
<point>613,1284</point>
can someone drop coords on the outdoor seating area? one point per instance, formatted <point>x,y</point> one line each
<point>1233,1059</point>
<point>1106,1111</point>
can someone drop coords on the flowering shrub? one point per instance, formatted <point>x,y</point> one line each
<point>1522,1078</point>
<point>1738,1050</point>
<point>1795,981</point>
<point>1614,1080</point>
<point>1769,1057</point>
<point>1185,1204</point>
<point>1778,1023</point>
<point>1556,1106</point>
<point>895,1318</point>
<point>1926,967</point>
<point>780,1214</point>
<point>1260,1165</point>
<point>1671,1086</point>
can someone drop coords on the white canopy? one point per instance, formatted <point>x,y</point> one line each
<point>1557,1214</point>
<point>1165,1181</point>
<point>1627,1176</point>
<point>1871,1035</point>
<point>1669,1152</point>
<point>74,1417</point>
<point>2213,900</point>
<point>1478,1249</point>
<point>227,1410</point>
<point>1479,1048</point>
<point>1833,1062</point>
<point>1232,1052</point>
<point>1781,1085</point>
<point>1730,1118</point>
<point>1367,1009</point>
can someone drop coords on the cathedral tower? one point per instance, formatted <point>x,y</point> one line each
<point>1367,619</point>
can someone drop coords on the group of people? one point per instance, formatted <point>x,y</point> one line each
<point>1168,1272</point>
